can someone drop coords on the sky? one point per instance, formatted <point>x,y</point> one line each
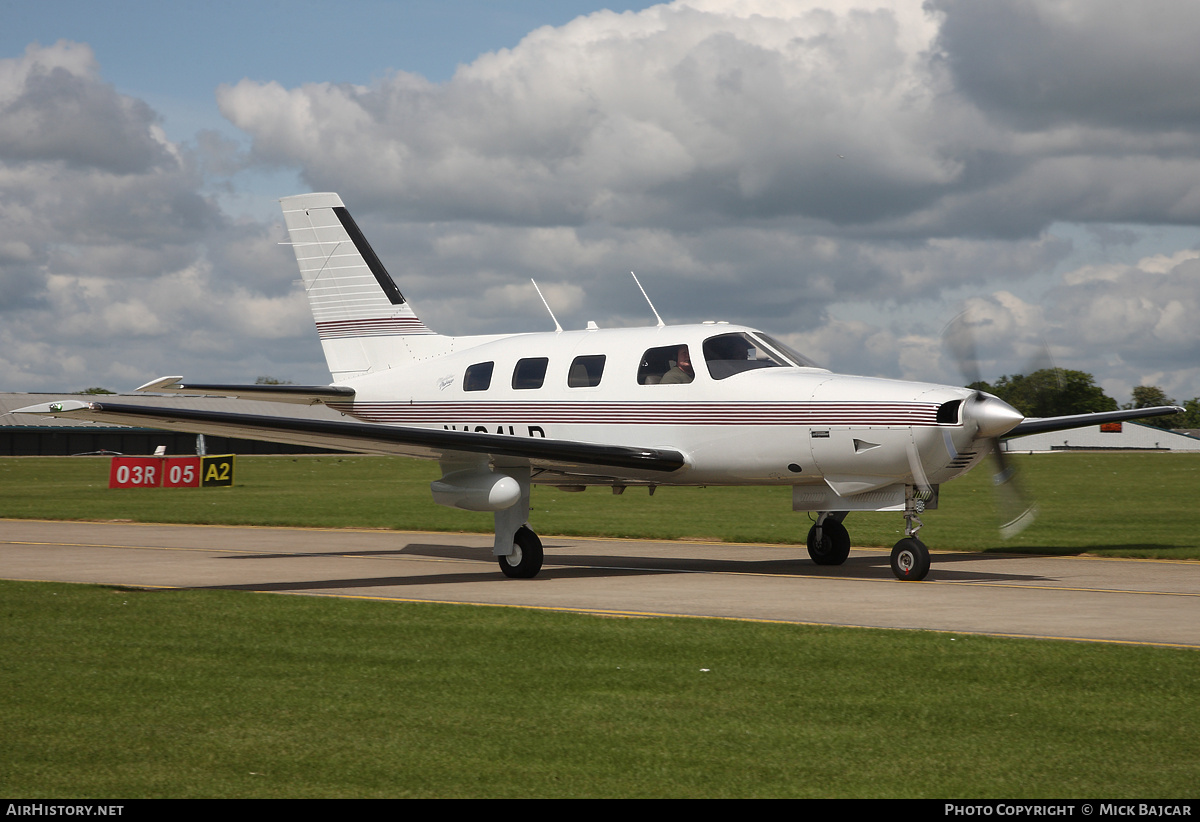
<point>848,175</point>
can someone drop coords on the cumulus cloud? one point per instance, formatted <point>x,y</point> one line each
<point>113,263</point>
<point>54,107</point>
<point>948,118</point>
<point>687,112</point>
<point>1106,63</point>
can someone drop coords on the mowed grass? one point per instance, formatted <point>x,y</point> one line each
<point>122,693</point>
<point>1124,504</point>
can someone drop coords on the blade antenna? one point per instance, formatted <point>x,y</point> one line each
<point>661,324</point>
<point>557,327</point>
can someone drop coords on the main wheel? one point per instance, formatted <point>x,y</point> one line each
<point>910,559</point>
<point>526,558</point>
<point>834,546</point>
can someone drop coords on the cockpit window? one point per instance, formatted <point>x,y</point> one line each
<point>729,354</point>
<point>668,365</point>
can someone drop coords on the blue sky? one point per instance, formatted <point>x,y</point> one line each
<point>186,48</point>
<point>175,55</point>
<point>847,174</point>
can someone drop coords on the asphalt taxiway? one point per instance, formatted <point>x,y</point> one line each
<point>1154,602</point>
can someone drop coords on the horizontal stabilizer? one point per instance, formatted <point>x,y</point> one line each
<point>299,394</point>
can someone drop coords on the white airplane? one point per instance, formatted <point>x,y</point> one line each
<point>707,404</point>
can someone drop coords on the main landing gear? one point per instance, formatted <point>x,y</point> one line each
<point>829,542</point>
<point>828,539</point>
<point>526,558</point>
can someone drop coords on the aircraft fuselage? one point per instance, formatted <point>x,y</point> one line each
<point>774,423</point>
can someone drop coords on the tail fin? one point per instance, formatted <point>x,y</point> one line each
<point>364,322</point>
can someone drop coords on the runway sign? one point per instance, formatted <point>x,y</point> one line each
<point>171,472</point>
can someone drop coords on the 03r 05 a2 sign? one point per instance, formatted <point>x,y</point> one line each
<point>171,472</point>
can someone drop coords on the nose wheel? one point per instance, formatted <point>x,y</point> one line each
<point>910,560</point>
<point>910,557</point>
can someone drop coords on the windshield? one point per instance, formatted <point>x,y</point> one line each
<point>729,354</point>
<point>788,352</point>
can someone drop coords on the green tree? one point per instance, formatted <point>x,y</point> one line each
<point>1150,396</point>
<point>96,390</point>
<point>1050,392</point>
<point>272,381</point>
<point>1191,413</point>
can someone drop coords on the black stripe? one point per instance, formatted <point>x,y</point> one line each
<point>364,248</point>
<point>330,391</point>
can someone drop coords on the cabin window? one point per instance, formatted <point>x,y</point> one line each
<point>586,371</point>
<point>729,354</point>
<point>478,376</point>
<point>668,365</point>
<point>530,373</point>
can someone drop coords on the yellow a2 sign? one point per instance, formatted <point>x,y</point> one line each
<point>216,470</point>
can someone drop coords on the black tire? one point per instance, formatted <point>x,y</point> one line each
<point>910,560</point>
<point>834,546</point>
<point>526,559</point>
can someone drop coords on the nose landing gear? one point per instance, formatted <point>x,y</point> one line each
<point>910,557</point>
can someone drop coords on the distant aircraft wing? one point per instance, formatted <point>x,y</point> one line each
<point>1041,425</point>
<point>557,455</point>
<point>298,394</point>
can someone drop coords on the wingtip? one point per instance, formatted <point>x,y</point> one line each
<point>56,408</point>
<point>162,384</point>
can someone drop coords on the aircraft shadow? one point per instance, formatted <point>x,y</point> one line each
<point>1051,551</point>
<point>586,566</point>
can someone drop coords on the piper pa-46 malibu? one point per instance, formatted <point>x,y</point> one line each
<point>708,404</point>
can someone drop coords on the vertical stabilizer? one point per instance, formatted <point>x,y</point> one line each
<point>363,320</point>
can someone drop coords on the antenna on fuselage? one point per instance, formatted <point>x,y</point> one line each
<point>557,327</point>
<point>652,308</point>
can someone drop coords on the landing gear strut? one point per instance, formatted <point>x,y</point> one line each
<point>910,557</point>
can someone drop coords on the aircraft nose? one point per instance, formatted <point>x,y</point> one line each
<point>992,416</point>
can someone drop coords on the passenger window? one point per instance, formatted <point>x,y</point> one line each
<point>668,365</point>
<point>530,372</point>
<point>586,371</point>
<point>478,377</point>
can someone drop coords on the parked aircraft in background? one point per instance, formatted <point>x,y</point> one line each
<point>706,404</point>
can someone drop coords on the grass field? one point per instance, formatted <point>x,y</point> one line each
<point>113,692</point>
<point>1114,504</point>
<point>120,693</point>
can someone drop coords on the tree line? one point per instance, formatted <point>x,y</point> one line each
<point>1056,392</point>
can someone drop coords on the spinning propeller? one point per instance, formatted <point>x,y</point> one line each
<point>993,417</point>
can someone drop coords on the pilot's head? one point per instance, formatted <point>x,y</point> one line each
<point>683,359</point>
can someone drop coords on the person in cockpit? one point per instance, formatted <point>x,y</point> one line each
<point>682,371</point>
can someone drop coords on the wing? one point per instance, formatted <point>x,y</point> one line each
<point>1040,425</point>
<point>560,456</point>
